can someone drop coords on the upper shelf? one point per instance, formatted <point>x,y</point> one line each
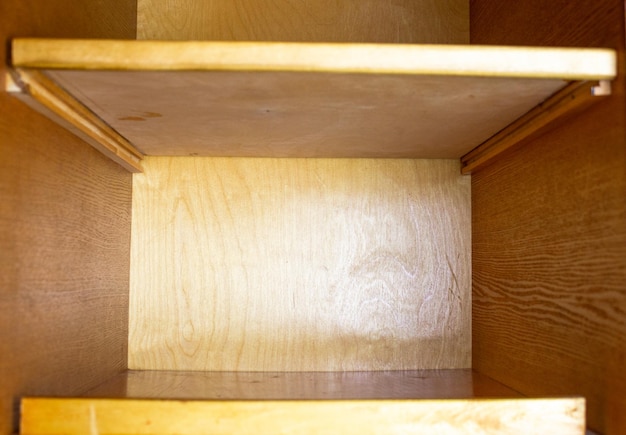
<point>131,98</point>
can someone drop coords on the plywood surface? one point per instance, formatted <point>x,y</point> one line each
<point>410,384</point>
<point>65,236</point>
<point>405,21</point>
<point>549,259</point>
<point>307,100</point>
<point>299,264</point>
<point>64,229</point>
<point>303,115</point>
<point>562,24</point>
<point>549,266</point>
<point>79,416</point>
<point>549,230</point>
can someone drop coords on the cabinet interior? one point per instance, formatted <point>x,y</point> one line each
<point>301,224</point>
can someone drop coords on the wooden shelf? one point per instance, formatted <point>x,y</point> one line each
<point>135,98</point>
<point>425,401</point>
<point>370,385</point>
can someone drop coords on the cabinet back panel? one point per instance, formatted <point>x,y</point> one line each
<point>404,21</point>
<point>299,264</point>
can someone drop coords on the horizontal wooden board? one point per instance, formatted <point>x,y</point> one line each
<point>400,21</point>
<point>299,264</point>
<point>95,416</point>
<point>282,114</point>
<point>413,59</point>
<point>409,384</point>
<point>304,99</point>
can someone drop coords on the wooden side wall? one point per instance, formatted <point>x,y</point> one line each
<point>64,229</point>
<point>549,229</point>
<point>399,21</point>
<point>300,265</point>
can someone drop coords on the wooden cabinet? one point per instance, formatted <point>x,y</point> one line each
<point>297,238</point>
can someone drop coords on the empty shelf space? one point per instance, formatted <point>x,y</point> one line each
<point>373,385</point>
<point>292,99</point>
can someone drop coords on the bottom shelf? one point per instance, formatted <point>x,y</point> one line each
<point>411,384</point>
<point>406,402</point>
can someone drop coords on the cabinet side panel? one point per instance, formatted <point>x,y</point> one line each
<point>549,230</point>
<point>243,264</point>
<point>403,21</point>
<point>64,230</point>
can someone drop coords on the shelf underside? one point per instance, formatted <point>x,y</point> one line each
<point>427,401</point>
<point>298,99</point>
<point>288,114</point>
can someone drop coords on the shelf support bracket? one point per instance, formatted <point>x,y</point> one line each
<point>570,100</point>
<point>40,93</point>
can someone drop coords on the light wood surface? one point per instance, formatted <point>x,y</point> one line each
<point>94,416</point>
<point>304,115</point>
<point>549,230</point>
<point>281,100</point>
<point>64,229</point>
<point>409,384</point>
<point>400,21</point>
<point>299,264</point>
<point>413,59</point>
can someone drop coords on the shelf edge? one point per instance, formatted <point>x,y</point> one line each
<point>567,102</point>
<point>364,58</point>
<point>74,416</point>
<point>43,95</point>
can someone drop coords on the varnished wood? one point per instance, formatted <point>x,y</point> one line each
<point>561,106</point>
<point>304,115</point>
<point>64,229</point>
<point>43,95</point>
<point>299,264</point>
<point>412,59</point>
<point>404,21</point>
<point>80,416</point>
<point>549,230</point>
<point>563,24</point>
<point>281,100</point>
<point>410,384</point>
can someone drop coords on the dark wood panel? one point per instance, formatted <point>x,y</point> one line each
<point>64,230</point>
<point>539,23</point>
<point>549,230</point>
<point>68,19</point>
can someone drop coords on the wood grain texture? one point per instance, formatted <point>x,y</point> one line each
<point>307,100</point>
<point>411,59</point>
<point>532,23</point>
<point>549,231</point>
<point>409,384</point>
<point>299,265</point>
<point>64,230</point>
<point>404,21</point>
<point>65,233</point>
<point>446,417</point>
<point>304,115</point>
